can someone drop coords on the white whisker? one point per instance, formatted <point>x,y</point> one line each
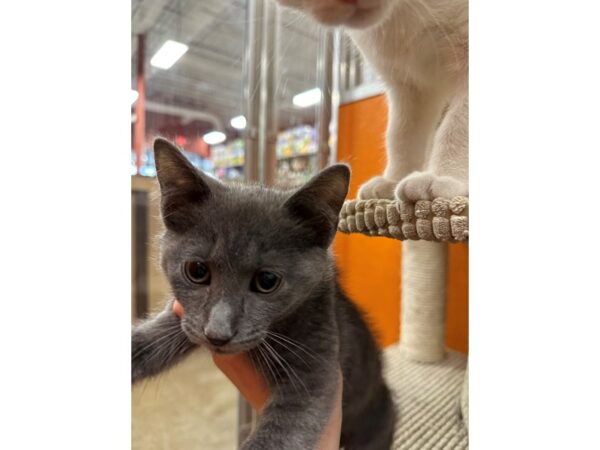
<point>283,363</point>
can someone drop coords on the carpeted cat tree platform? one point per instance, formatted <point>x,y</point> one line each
<point>430,384</point>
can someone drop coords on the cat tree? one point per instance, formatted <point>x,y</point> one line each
<point>430,384</point>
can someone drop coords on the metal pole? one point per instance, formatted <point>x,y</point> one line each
<point>245,420</point>
<point>335,94</point>
<point>252,59</point>
<point>324,77</point>
<point>268,96</point>
<point>252,89</point>
<point>139,130</point>
<point>355,76</point>
<point>347,58</point>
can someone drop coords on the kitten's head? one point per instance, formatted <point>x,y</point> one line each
<point>349,13</point>
<point>241,258</point>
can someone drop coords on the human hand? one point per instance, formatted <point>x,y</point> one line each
<point>255,390</point>
<point>252,385</point>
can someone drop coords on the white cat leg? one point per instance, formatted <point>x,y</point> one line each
<point>448,166</point>
<point>413,116</point>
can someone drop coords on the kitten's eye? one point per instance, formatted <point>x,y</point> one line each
<point>265,282</point>
<point>197,272</point>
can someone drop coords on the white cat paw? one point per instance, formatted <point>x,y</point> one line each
<point>427,186</point>
<point>377,187</point>
<point>448,187</point>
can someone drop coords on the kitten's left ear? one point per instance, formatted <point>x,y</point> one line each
<point>317,204</point>
<point>181,185</point>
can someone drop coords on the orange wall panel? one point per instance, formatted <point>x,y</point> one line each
<point>457,322</point>
<point>370,275</point>
<point>370,267</point>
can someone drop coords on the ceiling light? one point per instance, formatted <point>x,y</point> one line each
<point>134,96</point>
<point>214,137</point>
<point>168,54</point>
<point>238,122</point>
<point>307,98</point>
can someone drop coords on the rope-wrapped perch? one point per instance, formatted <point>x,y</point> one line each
<point>438,220</point>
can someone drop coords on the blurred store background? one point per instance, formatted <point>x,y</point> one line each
<point>251,92</point>
<point>188,68</point>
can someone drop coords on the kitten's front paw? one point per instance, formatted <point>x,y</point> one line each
<point>377,187</point>
<point>427,186</point>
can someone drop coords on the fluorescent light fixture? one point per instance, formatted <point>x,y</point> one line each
<point>214,137</point>
<point>307,98</point>
<point>238,122</point>
<point>168,54</point>
<point>134,96</point>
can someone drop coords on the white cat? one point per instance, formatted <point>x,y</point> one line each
<point>420,49</point>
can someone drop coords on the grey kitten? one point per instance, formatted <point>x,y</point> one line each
<point>252,268</point>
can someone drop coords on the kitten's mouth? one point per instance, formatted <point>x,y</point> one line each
<point>237,347</point>
<point>231,347</point>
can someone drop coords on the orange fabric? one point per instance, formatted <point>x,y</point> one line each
<point>370,267</point>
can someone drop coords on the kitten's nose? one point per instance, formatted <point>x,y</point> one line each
<point>220,326</point>
<point>217,340</point>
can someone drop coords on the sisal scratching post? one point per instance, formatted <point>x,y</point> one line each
<point>423,321</point>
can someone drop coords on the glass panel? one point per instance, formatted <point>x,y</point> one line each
<point>182,99</point>
<point>202,90</point>
<point>358,79</point>
<point>298,94</point>
<point>188,86</point>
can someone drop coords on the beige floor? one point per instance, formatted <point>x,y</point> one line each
<point>191,407</point>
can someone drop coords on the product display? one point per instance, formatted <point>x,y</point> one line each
<point>297,141</point>
<point>296,162</point>
<point>228,160</point>
<point>148,169</point>
<point>296,152</point>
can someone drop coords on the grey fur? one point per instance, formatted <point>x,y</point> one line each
<point>298,335</point>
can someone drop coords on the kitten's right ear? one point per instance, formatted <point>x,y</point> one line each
<point>181,185</point>
<point>317,204</point>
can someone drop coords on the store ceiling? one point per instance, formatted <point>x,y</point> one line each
<point>207,80</point>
